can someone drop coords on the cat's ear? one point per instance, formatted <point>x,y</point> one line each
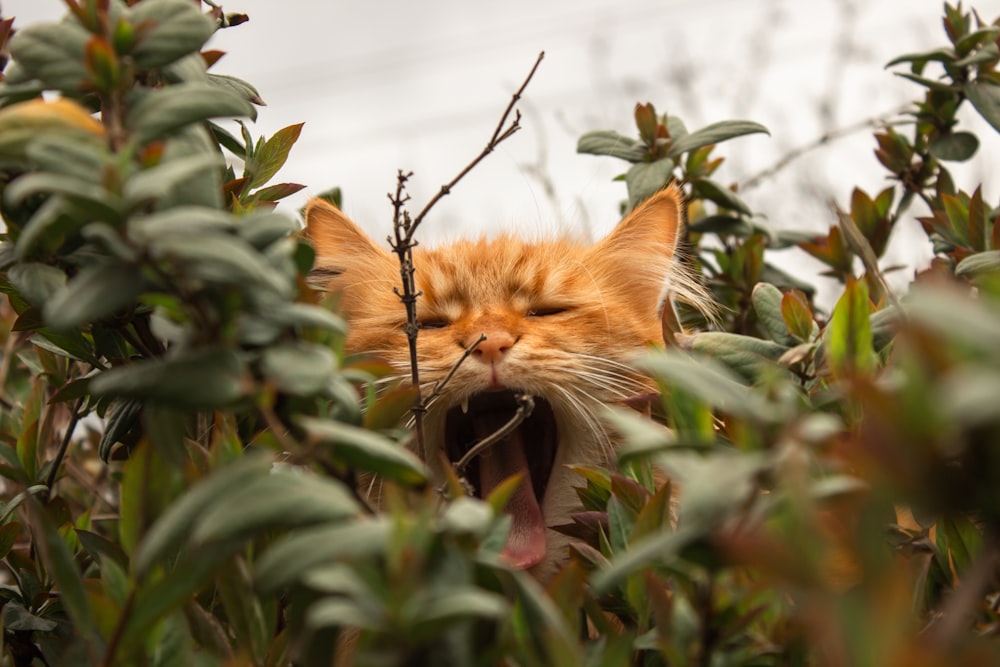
<point>643,244</point>
<point>341,245</point>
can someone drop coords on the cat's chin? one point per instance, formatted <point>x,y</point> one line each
<point>529,449</point>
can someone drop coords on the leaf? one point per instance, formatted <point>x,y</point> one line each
<point>746,355</point>
<point>767,300</point>
<point>642,436</point>
<point>282,499</point>
<point>166,536</point>
<point>18,619</point>
<point>848,337</point>
<point>610,143</point>
<point>710,381</point>
<point>222,259</point>
<point>955,147</point>
<point>96,292</point>
<point>981,262</point>
<point>797,315</point>
<point>985,97</point>
<point>292,557</point>
<point>159,181</point>
<point>61,566</point>
<point>656,549</point>
<point>720,195</point>
<point>366,450</point>
<point>123,416</point>
<point>266,162</point>
<point>197,379</point>
<point>298,368</point>
<point>98,203</point>
<point>713,134</point>
<point>163,111</point>
<point>644,179</point>
<point>390,408</point>
<point>53,53</point>
<point>167,30</point>
<point>37,283</point>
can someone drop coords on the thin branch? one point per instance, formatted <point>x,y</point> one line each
<point>402,242</point>
<point>819,142</point>
<point>525,405</point>
<point>499,135</point>
<point>439,386</point>
<point>64,445</point>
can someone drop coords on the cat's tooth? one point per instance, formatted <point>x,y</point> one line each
<point>465,406</point>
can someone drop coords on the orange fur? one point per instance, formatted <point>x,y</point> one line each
<point>563,321</point>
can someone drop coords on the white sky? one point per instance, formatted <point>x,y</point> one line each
<point>392,84</point>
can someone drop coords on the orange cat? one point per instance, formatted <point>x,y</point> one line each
<point>562,321</point>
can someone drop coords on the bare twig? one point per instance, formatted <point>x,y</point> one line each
<point>402,242</point>
<point>439,386</point>
<point>819,142</point>
<point>525,405</point>
<point>64,445</point>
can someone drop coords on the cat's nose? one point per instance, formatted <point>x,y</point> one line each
<point>496,345</point>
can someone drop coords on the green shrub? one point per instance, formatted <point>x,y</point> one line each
<point>182,436</point>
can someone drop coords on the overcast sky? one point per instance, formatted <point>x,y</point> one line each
<point>385,85</point>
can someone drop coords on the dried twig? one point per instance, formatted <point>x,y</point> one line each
<point>439,386</point>
<point>402,242</point>
<point>819,142</point>
<point>525,405</point>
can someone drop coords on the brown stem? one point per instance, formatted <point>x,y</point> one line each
<point>525,405</point>
<point>64,445</point>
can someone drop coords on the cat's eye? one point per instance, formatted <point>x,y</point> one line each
<point>545,312</point>
<point>432,323</point>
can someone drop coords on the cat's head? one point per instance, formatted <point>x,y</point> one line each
<point>563,322</point>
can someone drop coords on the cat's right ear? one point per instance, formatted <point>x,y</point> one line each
<point>342,247</point>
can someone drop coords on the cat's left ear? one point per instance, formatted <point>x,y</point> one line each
<point>646,239</point>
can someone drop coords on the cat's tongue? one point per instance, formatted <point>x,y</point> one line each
<point>526,541</point>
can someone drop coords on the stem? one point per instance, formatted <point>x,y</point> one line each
<point>447,378</point>
<point>64,445</point>
<point>525,404</point>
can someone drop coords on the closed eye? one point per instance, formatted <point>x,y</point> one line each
<point>433,323</point>
<point>545,312</point>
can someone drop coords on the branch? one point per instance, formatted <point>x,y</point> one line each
<point>447,378</point>
<point>525,405</point>
<point>819,142</point>
<point>402,242</point>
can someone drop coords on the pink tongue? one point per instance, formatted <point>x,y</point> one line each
<point>526,541</point>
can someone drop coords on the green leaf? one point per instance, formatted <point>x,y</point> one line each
<point>159,181</point>
<point>238,86</point>
<point>53,53</point>
<point>985,97</point>
<point>167,30</point>
<point>281,499</point>
<point>366,450</point>
<point>442,607</point>
<point>198,379</point>
<point>644,179</point>
<point>123,416</point>
<point>653,550</point>
<point>98,203</point>
<point>767,300</point>
<point>642,436</point>
<point>18,619</point>
<point>610,143</point>
<point>82,156</point>
<point>266,162</point>
<point>920,59</point>
<point>96,292</point>
<point>37,283</point>
<point>955,147</point>
<point>713,134</point>
<point>222,259</point>
<point>968,321</point>
<point>167,535</point>
<point>798,316</point>
<point>981,262</point>
<point>163,111</point>
<point>710,381</point>
<point>298,367</point>
<point>722,196</point>
<point>848,337</point>
<point>746,355</point>
<point>303,550</point>
<point>61,566</point>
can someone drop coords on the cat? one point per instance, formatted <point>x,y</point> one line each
<point>563,321</point>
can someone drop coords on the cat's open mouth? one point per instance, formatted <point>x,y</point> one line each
<point>530,449</point>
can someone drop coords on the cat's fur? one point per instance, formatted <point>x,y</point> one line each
<point>563,322</point>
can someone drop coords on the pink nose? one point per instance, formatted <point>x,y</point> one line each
<point>496,345</point>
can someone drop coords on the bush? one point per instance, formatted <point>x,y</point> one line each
<point>183,436</point>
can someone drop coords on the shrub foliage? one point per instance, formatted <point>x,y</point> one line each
<point>182,436</point>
